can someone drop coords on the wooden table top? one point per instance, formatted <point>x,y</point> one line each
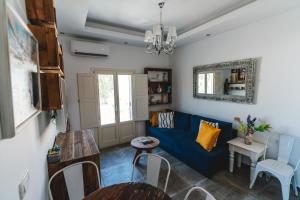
<point>137,143</point>
<point>76,145</point>
<point>128,191</point>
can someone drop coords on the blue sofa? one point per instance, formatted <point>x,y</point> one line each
<point>180,142</point>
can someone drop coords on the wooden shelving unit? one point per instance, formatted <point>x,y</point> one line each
<point>42,15</point>
<point>159,86</point>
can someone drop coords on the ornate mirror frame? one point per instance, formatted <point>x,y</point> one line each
<point>250,79</point>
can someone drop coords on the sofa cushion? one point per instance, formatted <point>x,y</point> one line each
<point>226,128</point>
<point>207,136</point>
<point>182,120</point>
<point>166,135</point>
<point>195,149</point>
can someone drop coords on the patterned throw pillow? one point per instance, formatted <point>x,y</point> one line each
<point>166,120</point>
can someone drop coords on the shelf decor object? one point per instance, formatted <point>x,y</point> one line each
<point>159,85</point>
<point>161,38</point>
<point>19,73</point>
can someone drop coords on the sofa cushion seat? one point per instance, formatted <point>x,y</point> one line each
<point>169,138</point>
<point>189,145</point>
<point>207,162</point>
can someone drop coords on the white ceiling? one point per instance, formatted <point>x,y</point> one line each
<point>125,21</point>
<point>142,14</point>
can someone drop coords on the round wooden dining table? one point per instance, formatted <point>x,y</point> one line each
<point>128,191</point>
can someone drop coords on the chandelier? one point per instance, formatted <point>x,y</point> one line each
<point>161,38</point>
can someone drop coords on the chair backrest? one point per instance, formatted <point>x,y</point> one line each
<point>74,179</point>
<point>208,196</point>
<point>262,138</point>
<point>286,143</point>
<point>153,169</point>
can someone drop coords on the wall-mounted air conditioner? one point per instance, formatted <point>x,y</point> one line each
<point>88,48</point>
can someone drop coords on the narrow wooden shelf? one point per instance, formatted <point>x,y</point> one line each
<point>164,82</point>
<point>157,104</point>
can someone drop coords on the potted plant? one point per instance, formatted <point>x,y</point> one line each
<point>250,128</point>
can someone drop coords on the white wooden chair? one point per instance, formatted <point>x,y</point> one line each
<point>74,180</point>
<point>153,169</point>
<point>208,196</point>
<point>281,167</point>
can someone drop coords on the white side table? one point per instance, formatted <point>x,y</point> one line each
<point>253,151</point>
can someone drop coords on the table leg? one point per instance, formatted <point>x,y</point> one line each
<point>149,150</point>
<point>239,160</point>
<point>231,161</point>
<point>138,152</point>
<point>252,169</point>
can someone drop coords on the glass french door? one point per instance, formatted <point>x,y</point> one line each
<point>115,107</point>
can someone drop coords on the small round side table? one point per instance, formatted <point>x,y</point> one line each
<point>137,143</point>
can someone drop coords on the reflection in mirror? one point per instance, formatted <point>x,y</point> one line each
<point>231,81</point>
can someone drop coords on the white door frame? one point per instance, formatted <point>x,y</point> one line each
<point>119,132</point>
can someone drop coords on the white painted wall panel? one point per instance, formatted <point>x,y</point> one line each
<point>121,57</point>
<point>276,40</point>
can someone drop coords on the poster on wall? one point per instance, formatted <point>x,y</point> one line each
<point>23,69</point>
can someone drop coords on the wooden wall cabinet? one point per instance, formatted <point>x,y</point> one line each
<point>159,85</point>
<point>49,48</point>
<point>41,14</point>
<point>41,11</point>
<point>51,87</point>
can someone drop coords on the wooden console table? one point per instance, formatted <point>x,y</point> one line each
<point>75,147</point>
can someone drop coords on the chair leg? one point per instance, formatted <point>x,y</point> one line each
<point>254,177</point>
<point>285,191</point>
<point>295,185</point>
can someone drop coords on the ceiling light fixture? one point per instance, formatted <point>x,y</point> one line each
<point>161,38</point>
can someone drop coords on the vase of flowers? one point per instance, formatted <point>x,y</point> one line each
<point>249,128</point>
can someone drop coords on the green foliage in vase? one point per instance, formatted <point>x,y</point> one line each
<point>263,127</point>
<point>251,127</point>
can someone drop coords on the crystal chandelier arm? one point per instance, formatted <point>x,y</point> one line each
<point>160,39</point>
<point>148,37</point>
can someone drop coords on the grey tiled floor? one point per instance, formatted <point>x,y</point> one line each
<point>116,167</point>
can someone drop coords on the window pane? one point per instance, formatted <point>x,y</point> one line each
<point>201,83</point>
<point>210,83</point>
<point>107,98</point>
<point>125,97</point>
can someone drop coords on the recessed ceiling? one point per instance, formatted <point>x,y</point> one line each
<point>123,21</point>
<point>140,15</point>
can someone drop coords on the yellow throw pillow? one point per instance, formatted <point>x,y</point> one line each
<point>207,136</point>
<point>154,119</point>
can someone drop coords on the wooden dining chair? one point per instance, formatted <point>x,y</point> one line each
<point>153,169</point>
<point>206,194</point>
<point>74,179</point>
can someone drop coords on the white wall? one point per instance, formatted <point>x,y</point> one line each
<point>26,151</point>
<point>121,57</point>
<point>277,41</point>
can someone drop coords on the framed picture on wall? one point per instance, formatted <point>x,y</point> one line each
<point>20,78</point>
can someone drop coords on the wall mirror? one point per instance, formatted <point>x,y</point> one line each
<point>228,81</point>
